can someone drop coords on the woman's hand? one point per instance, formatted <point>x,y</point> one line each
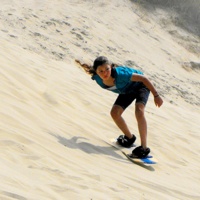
<point>158,100</point>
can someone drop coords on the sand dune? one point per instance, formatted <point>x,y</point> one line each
<point>178,18</point>
<point>187,11</point>
<point>55,119</point>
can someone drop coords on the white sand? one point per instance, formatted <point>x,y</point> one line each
<point>55,119</point>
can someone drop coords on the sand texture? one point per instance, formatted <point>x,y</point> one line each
<point>54,120</point>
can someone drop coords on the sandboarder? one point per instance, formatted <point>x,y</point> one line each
<point>131,85</point>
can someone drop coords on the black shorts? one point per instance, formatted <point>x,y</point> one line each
<point>141,96</point>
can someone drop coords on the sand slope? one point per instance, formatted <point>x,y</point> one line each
<point>55,119</point>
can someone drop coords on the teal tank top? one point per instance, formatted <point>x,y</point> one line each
<point>123,83</point>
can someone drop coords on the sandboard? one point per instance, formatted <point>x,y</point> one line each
<point>147,161</point>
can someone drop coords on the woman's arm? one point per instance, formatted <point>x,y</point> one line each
<point>141,78</point>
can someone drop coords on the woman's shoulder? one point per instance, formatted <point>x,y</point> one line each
<point>96,78</point>
<point>122,68</point>
<point>125,69</point>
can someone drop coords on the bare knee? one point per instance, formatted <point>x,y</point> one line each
<point>139,111</point>
<point>116,112</point>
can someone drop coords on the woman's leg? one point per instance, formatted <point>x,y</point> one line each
<point>116,113</point>
<point>142,124</point>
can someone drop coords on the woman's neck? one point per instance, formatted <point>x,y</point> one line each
<point>110,82</point>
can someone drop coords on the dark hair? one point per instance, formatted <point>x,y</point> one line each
<point>97,62</point>
<point>101,60</point>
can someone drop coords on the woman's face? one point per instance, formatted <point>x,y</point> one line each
<point>104,71</point>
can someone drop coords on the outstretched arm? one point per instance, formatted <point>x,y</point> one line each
<point>140,78</point>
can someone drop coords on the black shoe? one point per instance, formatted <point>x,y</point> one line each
<point>125,141</point>
<point>140,152</point>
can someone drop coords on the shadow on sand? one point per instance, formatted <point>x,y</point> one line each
<point>76,142</point>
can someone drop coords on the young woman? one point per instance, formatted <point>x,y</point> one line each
<point>131,85</point>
